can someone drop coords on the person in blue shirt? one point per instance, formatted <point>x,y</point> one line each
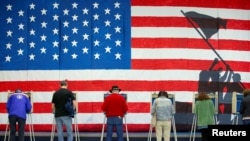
<point>18,105</point>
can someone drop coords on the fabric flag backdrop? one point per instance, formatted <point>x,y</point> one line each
<point>179,46</point>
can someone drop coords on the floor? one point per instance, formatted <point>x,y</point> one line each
<point>93,136</point>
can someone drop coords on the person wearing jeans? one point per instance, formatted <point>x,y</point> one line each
<point>64,120</point>
<point>62,116</point>
<point>114,108</point>
<point>115,122</point>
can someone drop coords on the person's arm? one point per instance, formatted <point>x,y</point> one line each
<point>8,104</point>
<point>53,108</point>
<point>74,104</point>
<point>153,110</point>
<point>28,105</point>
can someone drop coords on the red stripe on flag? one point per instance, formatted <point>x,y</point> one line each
<point>181,22</point>
<point>234,4</point>
<point>189,43</point>
<point>127,85</point>
<point>185,64</point>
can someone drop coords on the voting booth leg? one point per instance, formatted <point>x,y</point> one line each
<point>103,128</point>
<point>53,130</point>
<point>150,133</point>
<point>77,135</point>
<point>126,128</point>
<point>193,129</point>
<point>7,132</point>
<point>174,128</point>
<point>31,128</point>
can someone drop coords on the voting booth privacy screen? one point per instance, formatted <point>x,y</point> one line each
<point>236,102</point>
<point>124,95</point>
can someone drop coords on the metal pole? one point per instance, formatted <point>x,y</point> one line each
<point>126,128</point>
<point>7,132</point>
<point>77,135</point>
<point>53,130</point>
<point>103,126</point>
<point>174,128</point>
<point>150,133</point>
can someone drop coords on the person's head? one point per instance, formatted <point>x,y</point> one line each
<point>203,96</point>
<point>64,83</point>
<point>115,89</point>
<point>236,77</point>
<point>246,92</point>
<point>163,93</point>
<point>18,91</point>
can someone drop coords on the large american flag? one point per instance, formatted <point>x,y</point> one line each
<point>141,46</point>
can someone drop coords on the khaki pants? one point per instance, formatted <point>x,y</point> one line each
<point>163,128</point>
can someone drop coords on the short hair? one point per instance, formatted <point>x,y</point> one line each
<point>63,83</point>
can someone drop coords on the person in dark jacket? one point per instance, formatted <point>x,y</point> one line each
<point>115,107</point>
<point>18,105</point>
<point>62,116</point>
<point>245,107</point>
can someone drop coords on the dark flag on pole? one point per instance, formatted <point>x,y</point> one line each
<point>208,24</point>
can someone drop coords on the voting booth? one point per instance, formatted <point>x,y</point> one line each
<point>172,98</point>
<point>214,98</point>
<point>29,121</point>
<point>75,124</point>
<point>105,118</point>
<point>236,102</point>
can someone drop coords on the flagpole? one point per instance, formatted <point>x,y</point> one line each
<point>210,45</point>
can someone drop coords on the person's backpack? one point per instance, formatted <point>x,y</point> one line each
<point>70,108</point>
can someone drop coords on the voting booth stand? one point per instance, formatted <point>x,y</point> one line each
<point>214,98</point>
<point>75,124</point>
<point>236,101</point>
<point>172,97</point>
<point>29,121</point>
<point>105,119</point>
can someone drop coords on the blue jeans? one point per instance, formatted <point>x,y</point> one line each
<point>13,120</point>
<point>116,122</point>
<point>67,121</point>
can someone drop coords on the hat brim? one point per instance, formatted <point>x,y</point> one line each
<point>114,89</point>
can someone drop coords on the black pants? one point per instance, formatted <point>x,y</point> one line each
<point>204,134</point>
<point>13,120</point>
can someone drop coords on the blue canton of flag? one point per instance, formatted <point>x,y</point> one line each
<point>65,34</point>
